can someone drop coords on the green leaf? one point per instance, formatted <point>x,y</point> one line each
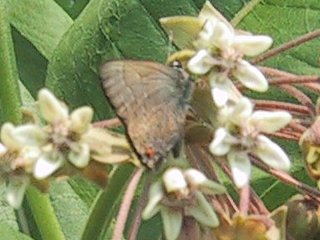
<point>32,66</point>
<point>71,210</point>
<point>73,7</point>
<point>284,21</point>
<point>8,233</point>
<point>9,90</point>
<point>86,190</point>
<point>41,22</point>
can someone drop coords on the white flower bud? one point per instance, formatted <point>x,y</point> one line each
<point>194,177</point>
<point>174,180</point>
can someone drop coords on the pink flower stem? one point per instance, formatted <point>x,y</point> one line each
<point>286,178</point>
<point>109,123</point>
<point>275,105</point>
<point>126,203</point>
<point>286,46</point>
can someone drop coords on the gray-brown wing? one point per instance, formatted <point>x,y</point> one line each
<point>148,98</point>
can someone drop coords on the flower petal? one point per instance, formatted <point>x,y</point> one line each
<point>209,13</point>
<point>29,156</point>
<point>250,76</point>
<point>50,107</point>
<point>15,190</point>
<point>203,212</point>
<point>223,36</point>
<point>251,45</point>
<point>240,167</point>
<point>271,153</point>
<point>222,89</point>
<point>182,29</point>
<point>80,156</point>
<point>155,195</point>
<point>201,62</point>
<point>220,97</point>
<point>241,111</point>
<point>172,222</point>
<point>269,122</point>
<point>205,37</point>
<point>7,138</point>
<point>29,135</point>
<point>46,165</point>
<point>219,146</point>
<point>81,119</point>
<point>3,150</point>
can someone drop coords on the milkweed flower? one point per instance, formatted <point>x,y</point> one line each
<point>241,134</point>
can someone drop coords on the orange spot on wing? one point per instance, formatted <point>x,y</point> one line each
<point>150,152</point>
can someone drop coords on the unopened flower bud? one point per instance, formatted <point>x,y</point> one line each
<point>174,180</point>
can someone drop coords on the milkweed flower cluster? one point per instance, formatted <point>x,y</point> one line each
<point>65,144</point>
<point>180,193</point>
<point>214,51</point>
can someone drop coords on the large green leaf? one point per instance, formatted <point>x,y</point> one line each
<point>42,22</point>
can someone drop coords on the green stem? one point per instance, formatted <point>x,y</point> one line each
<point>9,91</point>
<point>44,215</point>
<point>244,12</point>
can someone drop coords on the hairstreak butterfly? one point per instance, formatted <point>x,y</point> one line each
<point>151,100</point>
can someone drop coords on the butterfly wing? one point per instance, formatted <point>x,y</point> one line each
<point>151,99</point>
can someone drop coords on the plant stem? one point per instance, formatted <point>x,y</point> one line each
<point>244,11</point>
<point>44,215</point>
<point>126,203</point>
<point>286,178</point>
<point>286,46</point>
<point>290,107</point>
<point>133,231</point>
<point>244,199</point>
<point>109,123</point>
